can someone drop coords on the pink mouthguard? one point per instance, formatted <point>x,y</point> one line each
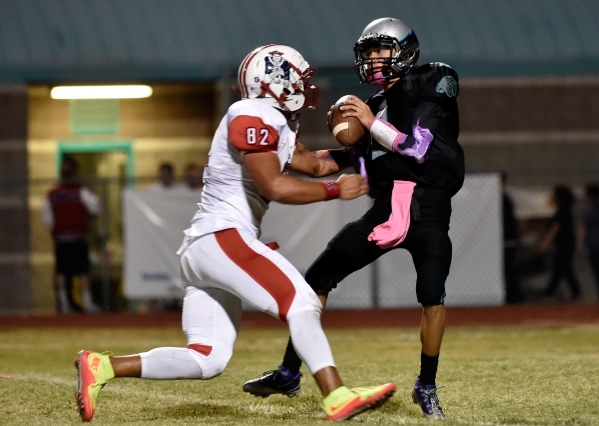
<point>376,79</point>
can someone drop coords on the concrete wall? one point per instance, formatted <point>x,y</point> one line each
<point>540,131</point>
<point>15,290</point>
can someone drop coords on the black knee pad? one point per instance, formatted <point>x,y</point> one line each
<point>432,259</point>
<point>430,294</point>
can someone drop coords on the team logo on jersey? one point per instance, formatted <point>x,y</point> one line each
<point>448,85</point>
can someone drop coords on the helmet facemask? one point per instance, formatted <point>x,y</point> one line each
<point>403,55</point>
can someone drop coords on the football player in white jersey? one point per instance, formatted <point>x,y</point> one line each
<point>222,260</point>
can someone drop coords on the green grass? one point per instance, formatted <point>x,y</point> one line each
<point>492,376</point>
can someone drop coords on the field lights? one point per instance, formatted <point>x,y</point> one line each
<point>101,92</point>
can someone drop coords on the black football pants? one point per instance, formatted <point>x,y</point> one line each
<point>427,241</point>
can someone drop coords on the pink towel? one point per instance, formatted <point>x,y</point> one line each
<point>394,231</point>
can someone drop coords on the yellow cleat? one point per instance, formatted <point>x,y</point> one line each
<point>344,403</point>
<point>93,371</point>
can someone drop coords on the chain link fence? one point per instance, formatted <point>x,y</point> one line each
<point>476,276</point>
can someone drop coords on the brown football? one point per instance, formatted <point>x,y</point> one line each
<point>347,130</point>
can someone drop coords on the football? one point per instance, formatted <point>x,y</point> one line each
<point>347,130</point>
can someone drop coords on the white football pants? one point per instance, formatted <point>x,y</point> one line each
<point>218,271</point>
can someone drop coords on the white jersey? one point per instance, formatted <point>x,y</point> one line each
<point>223,263</point>
<point>230,199</point>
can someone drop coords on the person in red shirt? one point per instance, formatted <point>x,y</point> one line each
<point>67,211</point>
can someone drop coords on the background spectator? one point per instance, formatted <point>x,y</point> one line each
<point>513,291</point>
<point>589,230</point>
<point>562,236</point>
<point>166,177</point>
<point>193,176</point>
<point>67,211</point>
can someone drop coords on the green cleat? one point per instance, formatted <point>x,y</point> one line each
<point>93,371</point>
<point>344,403</point>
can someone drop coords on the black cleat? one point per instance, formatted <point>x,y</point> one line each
<point>274,381</point>
<point>426,397</point>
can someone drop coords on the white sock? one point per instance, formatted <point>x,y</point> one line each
<point>63,300</point>
<point>309,340</point>
<point>169,363</point>
<point>88,303</point>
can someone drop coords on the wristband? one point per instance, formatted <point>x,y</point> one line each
<point>332,189</point>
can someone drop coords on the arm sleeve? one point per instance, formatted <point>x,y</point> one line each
<point>91,201</point>
<point>426,121</point>
<point>46,214</point>
<point>415,145</point>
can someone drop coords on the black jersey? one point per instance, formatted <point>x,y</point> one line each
<point>425,100</point>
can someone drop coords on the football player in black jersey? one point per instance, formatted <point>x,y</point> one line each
<point>414,165</point>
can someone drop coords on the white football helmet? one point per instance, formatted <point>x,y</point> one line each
<point>278,76</point>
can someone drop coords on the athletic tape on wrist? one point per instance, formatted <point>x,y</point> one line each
<point>385,134</point>
<point>332,189</point>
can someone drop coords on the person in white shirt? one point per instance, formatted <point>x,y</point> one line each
<point>222,260</point>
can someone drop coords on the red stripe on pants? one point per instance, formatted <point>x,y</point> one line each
<point>203,349</point>
<point>261,269</point>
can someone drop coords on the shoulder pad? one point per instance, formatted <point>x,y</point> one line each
<point>250,107</point>
<point>434,81</point>
<point>439,65</point>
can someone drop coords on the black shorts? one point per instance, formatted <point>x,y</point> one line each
<point>427,241</point>
<point>72,258</point>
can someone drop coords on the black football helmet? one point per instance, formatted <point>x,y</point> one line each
<point>392,34</point>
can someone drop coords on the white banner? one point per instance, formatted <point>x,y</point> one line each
<point>154,224</point>
<point>154,221</point>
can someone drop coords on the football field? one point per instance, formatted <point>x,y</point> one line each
<point>492,376</point>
